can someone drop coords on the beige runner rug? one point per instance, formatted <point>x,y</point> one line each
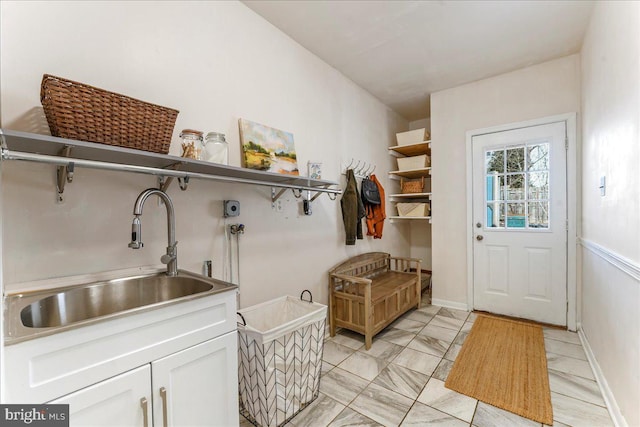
<point>503,363</point>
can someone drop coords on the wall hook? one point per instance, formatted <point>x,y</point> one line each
<point>183,183</point>
<point>360,171</point>
<point>347,168</point>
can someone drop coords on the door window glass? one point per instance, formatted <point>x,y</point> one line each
<point>515,159</point>
<point>538,157</point>
<point>518,175</point>
<point>495,214</point>
<point>538,214</point>
<point>515,186</point>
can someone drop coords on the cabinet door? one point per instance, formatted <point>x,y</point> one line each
<point>117,401</point>
<point>198,386</point>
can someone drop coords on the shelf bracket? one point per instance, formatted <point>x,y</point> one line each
<point>164,182</point>
<point>64,174</point>
<point>274,196</point>
<point>320,193</point>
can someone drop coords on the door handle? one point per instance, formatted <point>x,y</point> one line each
<point>163,395</point>
<point>145,415</point>
<point>479,237</point>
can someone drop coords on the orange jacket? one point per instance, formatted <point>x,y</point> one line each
<point>376,213</point>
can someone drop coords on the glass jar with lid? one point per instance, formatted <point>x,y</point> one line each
<point>192,145</point>
<point>216,148</point>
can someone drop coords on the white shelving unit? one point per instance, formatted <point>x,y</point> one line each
<point>407,151</point>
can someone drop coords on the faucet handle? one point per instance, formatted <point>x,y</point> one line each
<point>166,258</point>
<point>171,254</point>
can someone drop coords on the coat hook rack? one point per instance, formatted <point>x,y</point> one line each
<point>361,169</point>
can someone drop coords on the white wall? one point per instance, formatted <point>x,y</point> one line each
<point>419,124</point>
<point>215,62</point>
<point>611,223</point>
<point>538,91</point>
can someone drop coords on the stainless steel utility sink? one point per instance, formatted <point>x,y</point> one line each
<point>43,313</point>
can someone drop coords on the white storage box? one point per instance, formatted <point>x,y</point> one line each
<point>412,136</point>
<point>413,162</point>
<point>280,344</point>
<point>413,209</point>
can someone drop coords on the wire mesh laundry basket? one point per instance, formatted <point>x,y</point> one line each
<point>280,345</point>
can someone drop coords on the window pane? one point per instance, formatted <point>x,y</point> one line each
<point>538,157</point>
<point>495,161</point>
<point>539,214</point>
<point>516,215</point>
<point>515,187</point>
<point>538,186</point>
<point>495,215</point>
<point>495,187</point>
<point>515,159</point>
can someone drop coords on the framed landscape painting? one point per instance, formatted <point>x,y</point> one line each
<point>267,149</point>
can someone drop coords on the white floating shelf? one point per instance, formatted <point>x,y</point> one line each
<point>411,196</point>
<point>414,218</point>
<point>412,173</point>
<point>412,149</point>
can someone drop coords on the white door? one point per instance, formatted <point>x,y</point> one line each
<point>198,386</point>
<point>124,400</point>
<point>520,223</point>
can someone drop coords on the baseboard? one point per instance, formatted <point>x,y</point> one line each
<point>450,304</point>
<point>607,394</point>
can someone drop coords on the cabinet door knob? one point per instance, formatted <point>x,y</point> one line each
<point>479,237</point>
<point>145,411</point>
<point>163,395</point>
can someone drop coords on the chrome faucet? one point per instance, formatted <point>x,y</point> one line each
<point>171,257</point>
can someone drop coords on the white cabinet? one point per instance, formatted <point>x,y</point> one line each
<point>198,386</point>
<point>43,369</point>
<point>193,387</point>
<point>420,199</point>
<point>119,401</point>
<point>105,370</point>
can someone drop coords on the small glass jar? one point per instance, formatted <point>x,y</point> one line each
<point>216,148</point>
<point>192,145</point>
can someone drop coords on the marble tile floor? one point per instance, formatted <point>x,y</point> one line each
<point>400,380</point>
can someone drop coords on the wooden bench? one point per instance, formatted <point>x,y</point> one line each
<point>369,291</point>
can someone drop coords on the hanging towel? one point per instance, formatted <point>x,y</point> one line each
<point>376,213</point>
<point>352,210</point>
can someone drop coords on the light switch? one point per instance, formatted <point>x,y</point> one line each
<point>603,185</point>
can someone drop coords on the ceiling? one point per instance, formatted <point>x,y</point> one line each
<point>402,51</point>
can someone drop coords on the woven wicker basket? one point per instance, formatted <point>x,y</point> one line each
<point>412,186</point>
<point>82,112</point>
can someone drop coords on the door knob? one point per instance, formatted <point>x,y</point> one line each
<point>479,237</point>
